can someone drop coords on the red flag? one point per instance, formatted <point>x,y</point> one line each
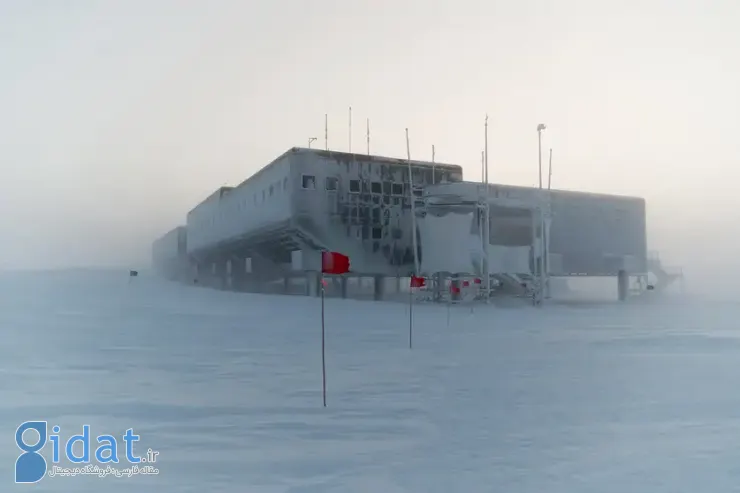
<point>477,281</point>
<point>466,284</point>
<point>417,282</point>
<point>334,263</point>
<point>454,290</point>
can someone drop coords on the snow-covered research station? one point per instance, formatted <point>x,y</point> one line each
<point>395,218</point>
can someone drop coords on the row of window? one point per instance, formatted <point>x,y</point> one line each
<point>257,198</point>
<point>308,182</point>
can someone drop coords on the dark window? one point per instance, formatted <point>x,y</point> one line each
<point>377,233</point>
<point>332,183</point>
<point>387,187</point>
<point>364,214</point>
<point>398,189</point>
<point>376,216</point>
<point>418,192</point>
<point>386,200</point>
<point>376,187</point>
<point>308,182</point>
<point>354,186</point>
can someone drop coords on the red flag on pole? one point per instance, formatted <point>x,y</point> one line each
<point>418,282</point>
<point>466,284</point>
<point>331,263</point>
<point>476,280</point>
<point>334,263</point>
<point>454,290</point>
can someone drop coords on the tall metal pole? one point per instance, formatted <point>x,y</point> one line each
<point>487,237</point>
<point>433,167</point>
<point>546,227</point>
<point>413,206</point>
<point>542,226</point>
<point>326,131</point>
<point>539,154</point>
<point>482,166</point>
<point>486,149</point>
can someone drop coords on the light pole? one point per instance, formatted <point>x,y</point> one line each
<point>310,141</point>
<point>542,264</point>
<point>540,128</point>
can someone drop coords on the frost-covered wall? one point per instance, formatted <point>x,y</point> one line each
<point>589,234</point>
<point>598,234</point>
<point>362,203</point>
<point>450,244</point>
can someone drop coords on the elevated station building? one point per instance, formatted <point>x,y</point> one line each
<point>271,227</point>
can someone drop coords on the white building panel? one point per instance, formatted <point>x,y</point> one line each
<point>509,260</point>
<point>261,201</point>
<point>448,245</point>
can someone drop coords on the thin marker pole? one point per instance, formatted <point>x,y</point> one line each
<point>326,131</point>
<point>368,136</point>
<point>323,340</point>
<point>411,313</point>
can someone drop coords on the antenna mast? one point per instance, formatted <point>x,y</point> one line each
<point>433,167</point>
<point>413,207</point>
<point>350,129</point>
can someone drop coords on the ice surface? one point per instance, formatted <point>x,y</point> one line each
<point>592,398</point>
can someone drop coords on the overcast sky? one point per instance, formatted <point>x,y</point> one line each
<point>116,117</point>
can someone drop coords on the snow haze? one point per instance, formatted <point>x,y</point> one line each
<point>117,118</point>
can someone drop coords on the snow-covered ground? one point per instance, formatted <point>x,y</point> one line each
<point>227,387</point>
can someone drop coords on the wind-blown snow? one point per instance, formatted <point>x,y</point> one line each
<point>227,387</point>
